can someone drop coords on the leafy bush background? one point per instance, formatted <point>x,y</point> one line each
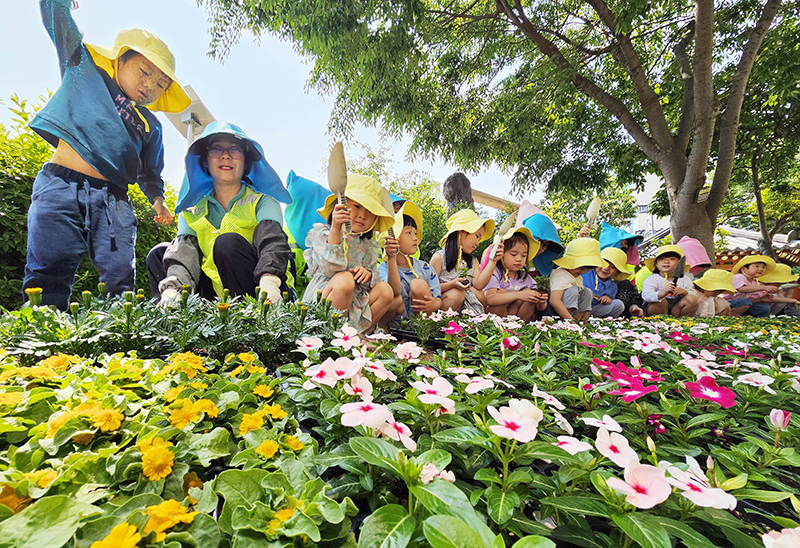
<point>22,154</point>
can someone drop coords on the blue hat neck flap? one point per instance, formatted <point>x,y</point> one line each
<point>543,229</point>
<point>611,236</point>
<point>301,214</point>
<point>197,183</point>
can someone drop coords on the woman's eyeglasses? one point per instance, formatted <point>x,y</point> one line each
<point>216,151</point>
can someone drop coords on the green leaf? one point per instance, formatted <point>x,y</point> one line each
<point>520,475</point>
<point>500,504</point>
<point>736,482</point>
<point>442,497</point>
<point>450,532</point>
<point>210,446</point>
<point>48,523</point>
<point>239,488</point>
<point>300,524</point>
<point>648,533</point>
<point>534,541</point>
<point>740,539</point>
<point>540,450</point>
<point>579,505</point>
<point>488,475</point>
<point>704,418</point>
<point>205,531</point>
<point>462,434</point>
<point>759,495</point>
<point>377,452</point>
<point>388,527</point>
<point>438,457</point>
<point>690,537</point>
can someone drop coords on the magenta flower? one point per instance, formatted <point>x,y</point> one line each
<point>616,448</point>
<point>452,329</point>
<point>644,485</point>
<point>780,419</point>
<point>706,389</point>
<point>512,343</point>
<point>591,345</point>
<point>633,392</point>
<point>512,425</point>
<point>677,336</point>
<point>364,413</point>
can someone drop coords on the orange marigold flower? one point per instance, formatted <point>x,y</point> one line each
<point>107,420</point>
<point>268,448</point>
<point>83,439</point>
<point>165,515</point>
<point>182,416</point>
<point>263,390</point>
<point>251,421</point>
<point>294,443</point>
<point>123,535</point>
<point>157,459</point>
<point>9,498</point>
<point>207,407</point>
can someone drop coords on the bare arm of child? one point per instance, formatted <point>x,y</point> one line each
<point>558,304</point>
<point>392,248</point>
<point>340,216</point>
<point>480,277</point>
<point>436,263</point>
<point>426,304</point>
<point>752,288</point>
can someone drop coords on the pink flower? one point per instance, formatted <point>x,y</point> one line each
<point>512,343</point>
<point>452,329</point>
<point>547,399</point>
<point>616,448</point>
<point>460,370</point>
<point>319,375</point>
<point>432,392</point>
<point>368,414</point>
<point>780,419</point>
<point>450,313</point>
<point>398,432</point>
<point>476,384</point>
<point>359,352</point>
<point>512,425</point>
<point>635,391</point>
<point>348,338</point>
<point>591,345</point>
<point>572,445</point>
<point>435,316</point>
<point>407,351</point>
<point>695,487</point>
<point>526,409</point>
<point>425,371</point>
<point>341,368</point>
<point>758,380</point>
<point>360,387</point>
<point>787,538</point>
<point>706,389</point>
<point>447,475</point>
<point>607,422</point>
<point>309,344</point>
<point>677,336</point>
<point>644,485</point>
<point>429,472</point>
<point>381,337</point>
<point>377,368</point>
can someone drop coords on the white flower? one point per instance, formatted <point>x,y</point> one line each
<point>607,422</point>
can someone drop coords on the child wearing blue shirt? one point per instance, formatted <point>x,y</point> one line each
<point>105,140</point>
<point>603,283</point>
<point>414,282</point>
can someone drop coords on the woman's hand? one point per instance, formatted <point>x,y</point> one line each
<point>391,246</point>
<point>341,215</point>
<point>361,275</point>
<point>163,214</point>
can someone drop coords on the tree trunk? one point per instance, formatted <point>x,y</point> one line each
<point>765,243</point>
<point>691,219</point>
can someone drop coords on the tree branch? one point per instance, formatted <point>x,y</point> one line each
<point>687,79</point>
<point>729,124</point>
<point>780,223</point>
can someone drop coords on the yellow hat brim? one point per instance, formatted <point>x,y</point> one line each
<point>618,262</point>
<point>714,285</point>
<point>533,244</point>
<point>174,99</point>
<point>779,275</point>
<point>364,190</point>
<point>663,250</point>
<point>750,259</point>
<point>470,225</point>
<point>575,257</point>
<point>410,209</point>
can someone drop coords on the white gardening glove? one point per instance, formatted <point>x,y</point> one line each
<point>169,297</point>
<point>272,286</point>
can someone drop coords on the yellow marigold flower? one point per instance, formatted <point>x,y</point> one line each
<point>285,514</point>
<point>236,371</point>
<point>9,498</point>
<point>189,358</point>
<point>275,411</point>
<point>123,535</point>
<point>251,421</point>
<point>272,525</point>
<point>83,439</point>
<point>182,416</point>
<point>253,368</point>
<point>107,420</point>
<point>33,291</point>
<point>40,372</point>
<point>207,407</point>
<point>10,398</point>
<point>263,390</point>
<point>42,478</point>
<point>157,459</point>
<point>268,448</point>
<point>60,362</point>
<point>294,443</point>
<point>173,393</point>
<point>7,374</point>
<point>165,515</point>
<point>223,306</point>
<point>58,422</point>
<point>246,357</point>
<point>190,480</point>
<point>198,385</point>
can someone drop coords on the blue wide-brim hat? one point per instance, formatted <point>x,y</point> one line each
<point>301,214</point>
<point>197,183</point>
<point>543,229</point>
<point>611,236</point>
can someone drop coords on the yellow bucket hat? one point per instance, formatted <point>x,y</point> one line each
<point>410,209</point>
<point>367,192</point>
<point>716,279</point>
<point>619,259</point>
<point>750,259</point>
<point>663,250</point>
<point>581,252</point>
<point>533,244</point>
<point>781,275</point>
<point>174,99</point>
<point>468,221</point>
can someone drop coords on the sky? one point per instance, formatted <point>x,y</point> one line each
<point>260,87</point>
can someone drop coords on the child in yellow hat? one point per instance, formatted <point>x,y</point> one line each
<point>414,282</point>
<point>105,139</point>
<point>512,290</point>
<point>766,298</point>
<point>713,283</point>
<point>602,281</point>
<point>568,297</point>
<point>662,291</point>
<point>343,266</point>
<point>460,275</point>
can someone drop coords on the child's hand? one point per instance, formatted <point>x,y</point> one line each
<point>391,246</point>
<point>672,288</point>
<point>361,275</point>
<point>163,214</point>
<point>585,230</point>
<point>426,304</point>
<point>529,295</point>
<point>679,291</point>
<point>543,297</point>
<point>605,299</point>
<point>499,252</point>
<point>341,215</point>
<point>771,288</point>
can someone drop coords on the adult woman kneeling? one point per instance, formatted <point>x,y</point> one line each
<point>230,227</point>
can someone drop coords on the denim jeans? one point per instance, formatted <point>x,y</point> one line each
<point>69,217</point>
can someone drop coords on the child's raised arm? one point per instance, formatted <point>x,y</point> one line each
<point>63,31</point>
<point>482,277</point>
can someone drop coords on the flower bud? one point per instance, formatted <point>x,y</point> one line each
<point>780,419</point>
<point>74,308</point>
<point>86,297</point>
<point>102,288</point>
<point>34,295</point>
<point>128,295</point>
